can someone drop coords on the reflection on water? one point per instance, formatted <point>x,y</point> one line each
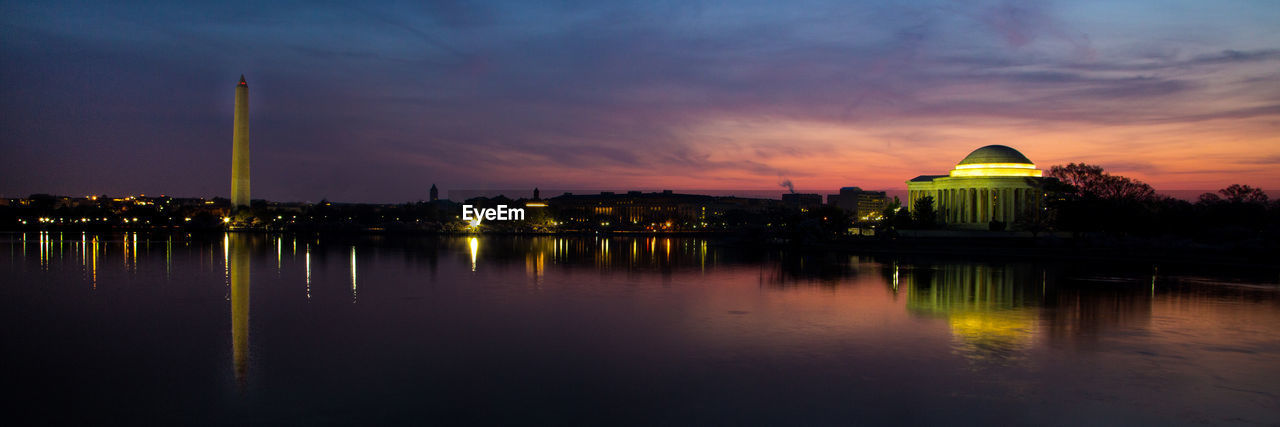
<point>307,266</point>
<point>637,326</point>
<point>992,310</point>
<point>238,268</point>
<point>998,311</point>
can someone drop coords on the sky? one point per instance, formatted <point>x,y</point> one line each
<point>376,101</point>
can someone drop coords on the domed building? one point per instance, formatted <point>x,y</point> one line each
<point>993,183</point>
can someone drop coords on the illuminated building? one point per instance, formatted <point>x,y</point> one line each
<point>865,205</point>
<point>240,148</point>
<point>993,183</point>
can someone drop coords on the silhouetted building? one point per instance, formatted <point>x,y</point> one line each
<point>435,193</point>
<point>802,200</point>
<point>536,194</point>
<point>633,208</point>
<point>993,183</point>
<point>637,210</point>
<point>865,205</point>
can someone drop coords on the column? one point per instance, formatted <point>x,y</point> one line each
<point>951,209</point>
<point>1014,205</point>
<point>991,205</point>
<point>995,204</point>
<point>968,205</point>
<point>1004,205</point>
<point>982,205</point>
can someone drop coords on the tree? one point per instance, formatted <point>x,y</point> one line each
<point>922,212</point>
<point>1098,201</point>
<point>1209,199</point>
<point>1034,220</point>
<point>1091,182</point>
<point>1237,193</point>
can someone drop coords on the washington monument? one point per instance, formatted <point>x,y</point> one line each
<point>240,149</point>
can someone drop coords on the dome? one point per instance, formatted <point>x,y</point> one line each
<point>995,154</point>
<point>996,160</point>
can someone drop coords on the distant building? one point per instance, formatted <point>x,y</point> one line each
<point>802,200</point>
<point>864,205</point>
<point>993,183</point>
<point>638,210</point>
<point>633,207</point>
<point>435,193</point>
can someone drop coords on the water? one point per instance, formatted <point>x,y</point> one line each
<point>293,330</point>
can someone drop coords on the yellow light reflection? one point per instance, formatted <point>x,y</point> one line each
<point>94,276</point>
<point>238,271</point>
<point>702,255</point>
<point>534,264</point>
<point>353,275</point>
<point>990,314</point>
<point>307,258</point>
<point>475,247</point>
<point>1007,329</point>
<point>168,257</point>
<point>226,253</point>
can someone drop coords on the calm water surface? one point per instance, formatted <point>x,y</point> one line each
<point>303,330</point>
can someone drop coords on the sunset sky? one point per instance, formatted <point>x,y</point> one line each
<point>375,102</point>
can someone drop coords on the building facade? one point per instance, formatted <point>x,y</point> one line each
<point>864,205</point>
<point>993,183</point>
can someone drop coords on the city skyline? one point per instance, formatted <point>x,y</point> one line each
<point>376,105</point>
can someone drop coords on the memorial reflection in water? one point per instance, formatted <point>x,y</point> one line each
<point>995,311</point>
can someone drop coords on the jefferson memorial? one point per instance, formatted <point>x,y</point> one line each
<point>993,183</point>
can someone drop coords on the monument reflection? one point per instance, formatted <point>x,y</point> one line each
<point>997,311</point>
<point>237,247</point>
<point>992,310</point>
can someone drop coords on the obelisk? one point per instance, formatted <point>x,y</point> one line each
<point>240,149</point>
